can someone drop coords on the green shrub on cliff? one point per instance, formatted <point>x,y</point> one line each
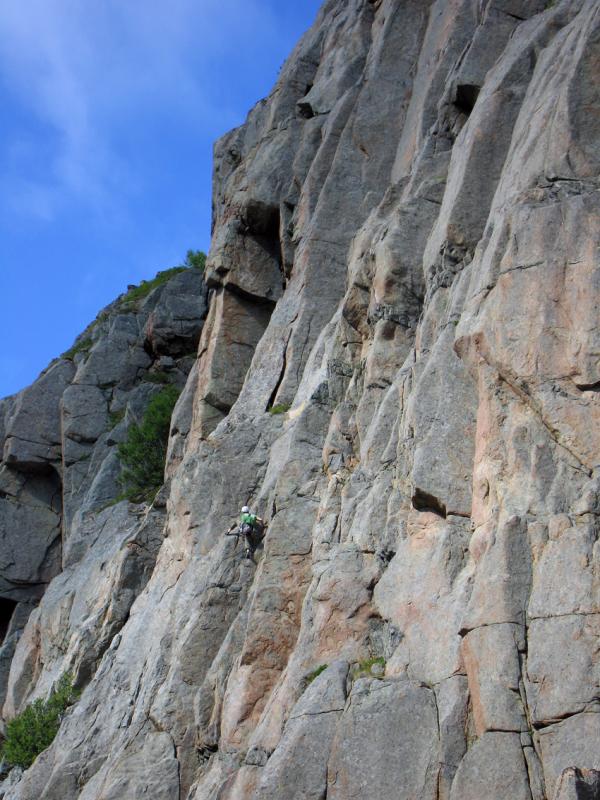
<point>315,673</point>
<point>370,667</point>
<point>83,346</point>
<point>145,287</point>
<point>143,455</point>
<point>34,729</point>
<point>196,259</point>
<point>280,408</point>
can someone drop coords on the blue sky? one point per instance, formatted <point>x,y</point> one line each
<point>109,112</point>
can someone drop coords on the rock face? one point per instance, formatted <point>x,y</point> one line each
<point>59,483</point>
<point>399,371</point>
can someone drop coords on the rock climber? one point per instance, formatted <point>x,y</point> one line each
<point>251,527</point>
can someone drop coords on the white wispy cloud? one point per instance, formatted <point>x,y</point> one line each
<point>85,70</point>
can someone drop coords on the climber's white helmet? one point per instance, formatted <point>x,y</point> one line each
<point>245,510</point>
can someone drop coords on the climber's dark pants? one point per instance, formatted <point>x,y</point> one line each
<point>248,537</point>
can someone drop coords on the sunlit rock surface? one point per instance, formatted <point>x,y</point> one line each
<point>404,267</point>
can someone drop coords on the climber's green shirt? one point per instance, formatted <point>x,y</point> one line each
<point>249,519</point>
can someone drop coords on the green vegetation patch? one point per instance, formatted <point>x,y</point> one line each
<point>34,729</point>
<point>364,669</point>
<point>143,455</point>
<point>145,287</point>
<point>83,346</point>
<point>280,408</point>
<point>157,377</point>
<point>194,259</point>
<point>315,673</point>
<point>115,417</point>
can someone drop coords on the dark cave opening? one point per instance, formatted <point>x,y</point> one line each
<point>7,609</point>
<point>466,97</point>
<point>305,110</point>
<point>423,501</point>
<point>263,223</point>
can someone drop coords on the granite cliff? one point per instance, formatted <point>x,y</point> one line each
<point>399,369</point>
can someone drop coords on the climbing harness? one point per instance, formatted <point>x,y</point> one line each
<point>246,531</point>
<point>252,533</point>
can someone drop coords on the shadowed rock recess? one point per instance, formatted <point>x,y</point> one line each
<point>404,266</point>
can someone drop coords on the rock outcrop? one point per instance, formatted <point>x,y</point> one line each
<point>60,515</point>
<point>399,370</point>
